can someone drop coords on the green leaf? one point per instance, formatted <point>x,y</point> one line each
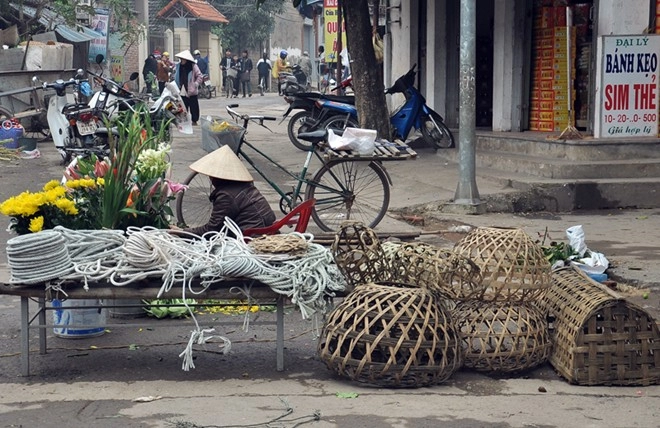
<point>347,395</point>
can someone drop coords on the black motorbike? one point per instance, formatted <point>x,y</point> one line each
<point>310,115</point>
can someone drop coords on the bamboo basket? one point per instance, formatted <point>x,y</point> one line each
<point>599,337</point>
<point>358,254</point>
<point>391,335</point>
<point>513,266</point>
<point>499,337</point>
<point>434,268</point>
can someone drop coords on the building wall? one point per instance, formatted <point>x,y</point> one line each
<point>288,34</point>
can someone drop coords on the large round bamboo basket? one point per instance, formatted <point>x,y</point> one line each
<point>513,266</point>
<point>500,337</point>
<point>391,335</point>
<point>599,337</point>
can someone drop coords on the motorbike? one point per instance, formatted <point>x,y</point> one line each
<point>72,123</point>
<point>413,114</point>
<point>293,82</point>
<point>207,88</point>
<point>310,115</point>
<point>107,98</point>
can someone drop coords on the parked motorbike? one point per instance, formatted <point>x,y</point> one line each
<point>311,116</point>
<point>106,98</point>
<point>207,88</point>
<point>293,82</point>
<point>413,114</point>
<point>72,123</point>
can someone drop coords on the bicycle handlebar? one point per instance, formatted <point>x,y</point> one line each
<point>247,118</point>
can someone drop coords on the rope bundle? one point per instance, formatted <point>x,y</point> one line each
<point>38,258</point>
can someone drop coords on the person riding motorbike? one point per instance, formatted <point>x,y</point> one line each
<point>281,64</point>
<point>202,62</point>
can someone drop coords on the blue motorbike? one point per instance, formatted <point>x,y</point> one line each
<point>413,114</point>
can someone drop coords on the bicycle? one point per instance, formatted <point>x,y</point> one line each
<point>344,189</point>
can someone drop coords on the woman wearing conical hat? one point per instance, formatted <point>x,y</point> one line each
<point>234,194</point>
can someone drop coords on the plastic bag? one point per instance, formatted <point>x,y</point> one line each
<point>184,123</point>
<point>593,262</point>
<point>358,140</point>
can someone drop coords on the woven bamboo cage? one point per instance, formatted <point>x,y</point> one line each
<point>513,266</point>
<point>434,268</point>
<point>500,337</point>
<point>358,253</point>
<point>392,335</point>
<point>599,337</point>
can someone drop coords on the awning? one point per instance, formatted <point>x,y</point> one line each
<point>82,34</point>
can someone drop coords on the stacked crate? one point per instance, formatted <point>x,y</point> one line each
<point>551,102</point>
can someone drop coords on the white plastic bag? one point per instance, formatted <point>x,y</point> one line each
<point>184,123</point>
<point>361,141</point>
<point>594,262</point>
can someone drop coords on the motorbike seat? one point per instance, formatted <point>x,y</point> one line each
<point>74,108</point>
<point>345,99</point>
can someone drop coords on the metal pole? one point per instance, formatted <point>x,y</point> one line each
<point>466,191</point>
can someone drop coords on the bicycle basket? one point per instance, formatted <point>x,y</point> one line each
<point>232,72</point>
<point>218,132</point>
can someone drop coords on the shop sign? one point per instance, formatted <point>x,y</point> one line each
<point>331,30</point>
<point>629,97</point>
<point>100,24</point>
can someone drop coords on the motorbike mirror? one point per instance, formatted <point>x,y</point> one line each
<point>99,58</point>
<point>134,75</point>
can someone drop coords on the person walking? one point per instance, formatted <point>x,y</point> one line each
<point>149,72</point>
<point>225,65</point>
<point>202,62</point>
<point>189,78</point>
<point>281,64</point>
<point>264,67</point>
<point>305,64</point>
<point>244,75</point>
<point>165,67</point>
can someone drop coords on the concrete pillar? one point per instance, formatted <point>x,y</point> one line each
<point>181,35</point>
<point>142,7</point>
<point>215,53</point>
<point>404,35</point>
<point>169,43</point>
<point>436,56</point>
<point>503,45</point>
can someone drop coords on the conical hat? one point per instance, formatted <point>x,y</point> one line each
<point>186,55</point>
<point>222,163</point>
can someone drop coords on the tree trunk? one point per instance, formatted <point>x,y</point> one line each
<point>367,84</point>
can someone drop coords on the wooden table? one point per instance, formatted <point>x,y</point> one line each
<point>146,290</point>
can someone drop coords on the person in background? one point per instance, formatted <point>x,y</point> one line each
<point>165,67</point>
<point>237,81</point>
<point>189,78</point>
<point>225,65</point>
<point>234,194</point>
<point>149,72</point>
<point>281,64</point>
<point>305,64</point>
<point>264,67</point>
<point>244,73</point>
<point>202,62</point>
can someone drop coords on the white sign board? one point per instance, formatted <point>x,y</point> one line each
<point>629,95</point>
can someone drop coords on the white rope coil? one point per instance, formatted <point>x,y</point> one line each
<point>36,258</point>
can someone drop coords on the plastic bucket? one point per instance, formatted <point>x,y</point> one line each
<point>78,323</point>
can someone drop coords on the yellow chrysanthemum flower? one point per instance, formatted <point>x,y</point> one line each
<point>51,185</point>
<point>36,224</point>
<point>67,206</point>
<point>100,181</point>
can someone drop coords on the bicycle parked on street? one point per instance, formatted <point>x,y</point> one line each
<point>344,189</point>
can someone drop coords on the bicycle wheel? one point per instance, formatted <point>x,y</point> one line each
<point>296,126</point>
<point>436,133</point>
<point>340,122</point>
<point>193,207</point>
<point>348,190</point>
<point>205,92</point>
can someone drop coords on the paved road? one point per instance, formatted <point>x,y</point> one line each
<point>76,385</point>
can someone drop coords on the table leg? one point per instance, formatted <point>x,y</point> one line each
<point>280,334</point>
<point>25,336</point>
<point>42,330</point>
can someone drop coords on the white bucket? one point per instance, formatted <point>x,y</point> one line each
<point>80,318</point>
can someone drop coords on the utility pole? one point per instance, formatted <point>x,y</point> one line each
<point>466,198</point>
